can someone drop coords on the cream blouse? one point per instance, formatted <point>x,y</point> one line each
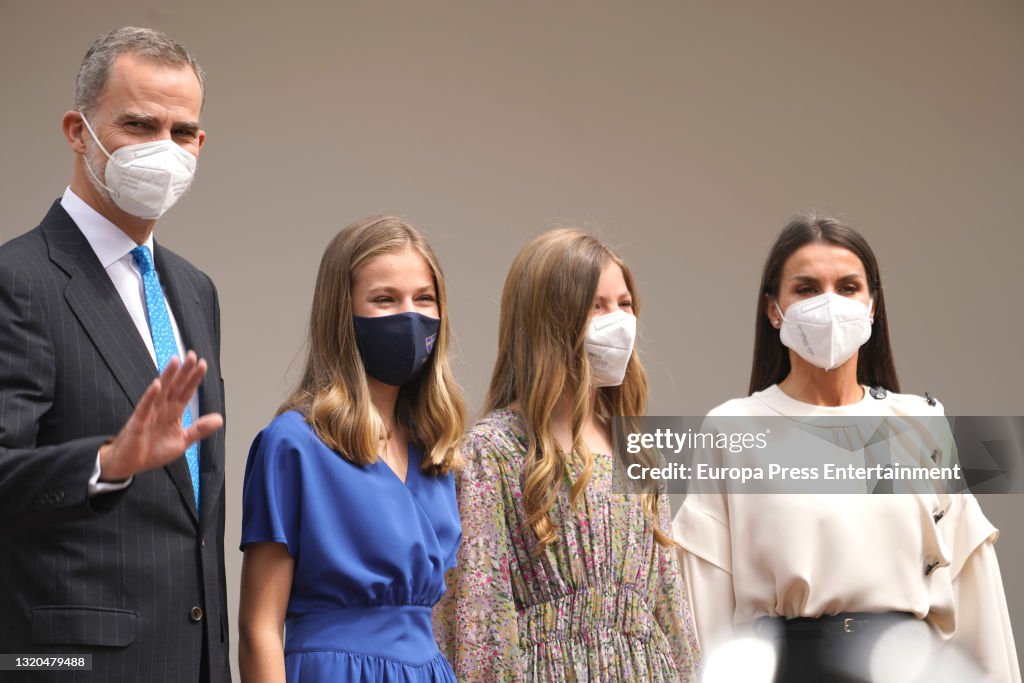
<point>748,555</point>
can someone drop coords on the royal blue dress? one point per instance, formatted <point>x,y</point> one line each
<point>370,556</point>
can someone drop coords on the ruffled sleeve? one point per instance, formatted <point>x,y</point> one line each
<point>981,621</point>
<point>476,623</point>
<point>272,490</point>
<point>701,528</point>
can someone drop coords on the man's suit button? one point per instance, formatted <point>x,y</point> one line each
<point>202,542</point>
<point>196,614</point>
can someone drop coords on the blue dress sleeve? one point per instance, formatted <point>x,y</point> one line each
<point>271,496</point>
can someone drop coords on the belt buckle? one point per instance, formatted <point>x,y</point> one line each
<point>848,625</point>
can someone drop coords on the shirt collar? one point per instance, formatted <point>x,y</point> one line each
<point>108,241</point>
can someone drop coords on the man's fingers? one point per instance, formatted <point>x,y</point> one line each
<point>182,367</point>
<point>191,383</point>
<point>189,362</point>
<point>144,408</point>
<point>204,427</point>
<point>171,371</point>
<point>188,378</point>
<point>168,378</point>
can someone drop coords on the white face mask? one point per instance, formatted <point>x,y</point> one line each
<point>825,330</point>
<point>609,344</point>
<point>146,179</point>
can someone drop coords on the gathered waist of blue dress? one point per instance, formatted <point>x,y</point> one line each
<point>400,632</point>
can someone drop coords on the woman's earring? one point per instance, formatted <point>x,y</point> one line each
<point>775,322</point>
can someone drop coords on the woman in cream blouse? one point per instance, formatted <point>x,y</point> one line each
<point>832,564</point>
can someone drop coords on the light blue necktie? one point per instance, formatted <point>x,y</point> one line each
<point>164,344</point>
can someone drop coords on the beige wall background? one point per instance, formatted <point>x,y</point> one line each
<point>685,133</point>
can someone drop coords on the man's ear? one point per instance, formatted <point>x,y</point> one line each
<point>74,131</point>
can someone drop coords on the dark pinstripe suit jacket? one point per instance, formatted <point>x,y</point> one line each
<point>119,575</point>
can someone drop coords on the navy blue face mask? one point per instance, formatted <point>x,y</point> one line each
<point>396,347</point>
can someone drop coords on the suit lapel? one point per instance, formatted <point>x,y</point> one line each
<point>99,308</point>
<point>97,305</point>
<point>210,484</point>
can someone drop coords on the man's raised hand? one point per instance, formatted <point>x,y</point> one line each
<point>153,435</point>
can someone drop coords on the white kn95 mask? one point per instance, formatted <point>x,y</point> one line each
<point>609,343</point>
<point>146,179</point>
<point>825,330</point>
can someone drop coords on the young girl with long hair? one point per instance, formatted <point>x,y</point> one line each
<point>560,577</point>
<point>350,518</point>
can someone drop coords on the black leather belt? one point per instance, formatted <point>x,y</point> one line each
<point>845,622</point>
<point>828,649</point>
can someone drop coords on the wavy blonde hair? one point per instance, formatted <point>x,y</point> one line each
<point>333,393</point>
<point>545,309</point>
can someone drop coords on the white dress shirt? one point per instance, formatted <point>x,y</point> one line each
<point>113,249</point>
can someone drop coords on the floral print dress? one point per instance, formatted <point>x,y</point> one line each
<point>604,602</point>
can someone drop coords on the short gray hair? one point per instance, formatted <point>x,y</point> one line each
<point>151,45</point>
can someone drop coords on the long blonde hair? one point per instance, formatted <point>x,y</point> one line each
<point>545,310</point>
<point>333,393</point>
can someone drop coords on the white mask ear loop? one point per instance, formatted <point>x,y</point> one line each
<point>782,316</point>
<point>103,149</point>
<point>93,134</point>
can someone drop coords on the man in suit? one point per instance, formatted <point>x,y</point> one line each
<point>111,471</point>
